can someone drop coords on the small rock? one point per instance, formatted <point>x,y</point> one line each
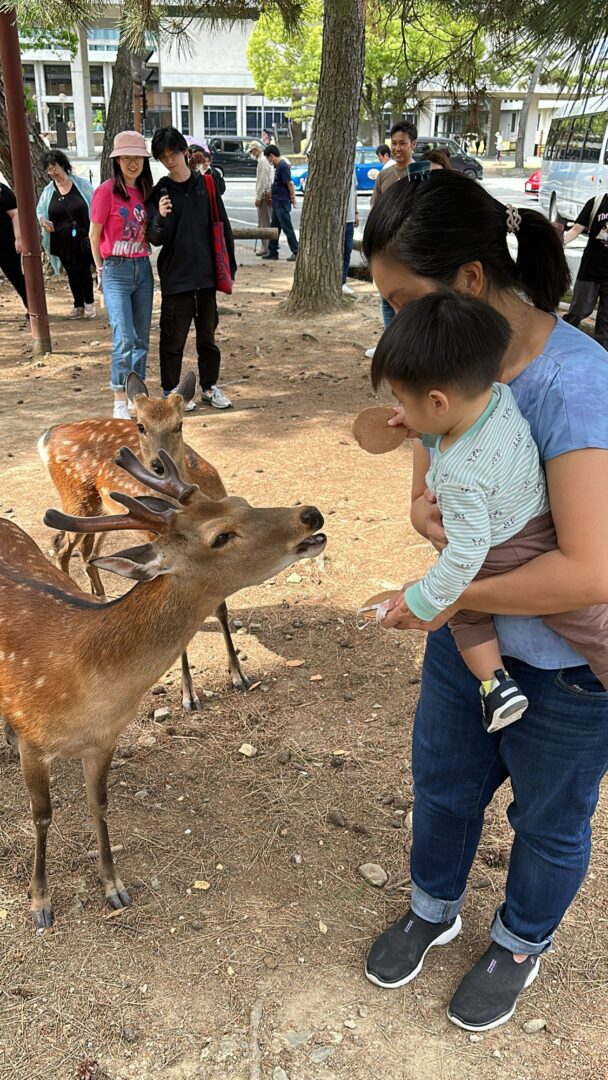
<point>408,820</point>
<point>363,1010</point>
<point>158,690</point>
<point>296,860</point>
<point>247,750</point>
<point>162,714</point>
<point>336,817</point>
<point>348,697</point>
<point>279,1074</point>
<point>237,623</point>
<point>293,579</point>
<point>271,962</point>
<point>531,1027</point>
<point>374,874</point>
<point>321,1054</point>
<point>141,794</point>
<point>475,1038</point>
<point>297,1038</point>
<point>283,756</point>
<point>129,1035</point>
<point>350,1023</point>
<point>496,1054</point>
<point>155,884</point>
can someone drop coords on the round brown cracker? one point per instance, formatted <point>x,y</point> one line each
<point>370,429</point>
<point>367,610</point>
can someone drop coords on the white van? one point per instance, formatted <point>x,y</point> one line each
<point>575,161</point>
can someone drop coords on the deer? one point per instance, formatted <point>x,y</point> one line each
<point>80,460</point>
<point>73,670</point>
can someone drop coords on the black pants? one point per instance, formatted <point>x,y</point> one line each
<point>78,270</point>
<point>10,264</point>
<point>584,299</point>
<point>176,314</point>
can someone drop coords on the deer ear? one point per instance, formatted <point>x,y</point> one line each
<point>140,563</point>
<point>135,386</point>
<point>187,386</point>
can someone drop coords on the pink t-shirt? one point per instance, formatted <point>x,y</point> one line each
<point>124,223</point>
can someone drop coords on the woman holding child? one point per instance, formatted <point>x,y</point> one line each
<point>447,233</point>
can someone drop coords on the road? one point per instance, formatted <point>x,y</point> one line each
<point>239,201</point>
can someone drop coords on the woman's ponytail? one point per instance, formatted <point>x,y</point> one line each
<point>541,264</point>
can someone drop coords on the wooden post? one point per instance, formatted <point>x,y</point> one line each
<point>10,59</point>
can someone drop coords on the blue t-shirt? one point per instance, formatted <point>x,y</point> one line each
<point>280,191</point>
<point>563,394</point>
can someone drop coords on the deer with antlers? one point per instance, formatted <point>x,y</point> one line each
<point>73,670</point>
<point>80,458</point>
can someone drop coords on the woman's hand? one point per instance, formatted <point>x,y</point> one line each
<point>399,420</point>
<point>434,530</point>
<point>165,206</point>
<point>47,225</point>
<point>18,245</point>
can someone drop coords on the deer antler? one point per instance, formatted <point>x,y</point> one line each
<point>170,484</point>
<point>152,514</point>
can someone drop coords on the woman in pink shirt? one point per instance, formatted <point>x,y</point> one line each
<point>119,218</point>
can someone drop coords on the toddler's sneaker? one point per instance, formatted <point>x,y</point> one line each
<point>215,397</point>
<point>503,701</point>
<point>76,313</point>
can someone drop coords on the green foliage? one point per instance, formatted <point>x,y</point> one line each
<point>286,64</point>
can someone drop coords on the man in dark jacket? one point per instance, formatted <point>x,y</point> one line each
<point>182,225</point>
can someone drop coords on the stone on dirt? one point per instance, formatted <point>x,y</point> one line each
<point>531,1027</point>
<point>374,874</point>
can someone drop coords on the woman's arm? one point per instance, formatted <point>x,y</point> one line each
<point>95,231</point>
<point>14,216</point>
<point>574,576</point>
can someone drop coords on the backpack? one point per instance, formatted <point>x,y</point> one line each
<point>597,202</point>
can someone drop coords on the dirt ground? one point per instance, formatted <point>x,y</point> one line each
<point>167,988</point>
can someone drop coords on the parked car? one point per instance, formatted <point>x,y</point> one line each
<point>230,156</point>
<point>367,165</point>
<point>532,184</point>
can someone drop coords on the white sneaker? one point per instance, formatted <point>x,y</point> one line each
<point>76,313</point>
<point>89,311</point>
<point>121,411</point>
<point>346,289</point>
<point>190,405</point>
<point>370,353</point>
<point>216,398</point>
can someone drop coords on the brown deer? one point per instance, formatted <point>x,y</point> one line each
<point>80,460</point>
<point>73,670</point>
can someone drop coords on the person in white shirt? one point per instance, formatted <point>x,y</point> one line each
<point>263,182</point>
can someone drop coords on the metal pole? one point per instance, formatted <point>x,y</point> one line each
<point>10,58</point>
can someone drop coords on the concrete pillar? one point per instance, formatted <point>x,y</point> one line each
<point>531,128</point>
<point>81,91</point>
<point>495,109</point>
<point>107,84</point>
<point>197,114</point>
<point>241,115</point>
<point>40,92</point>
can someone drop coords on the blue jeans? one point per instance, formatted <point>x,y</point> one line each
<point>281,219</point>
<point>555,757</point>
<point>388,313</point>
<point>349,232</point>
<point>128,287</point>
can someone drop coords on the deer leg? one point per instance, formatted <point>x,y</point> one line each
<point>240,681</point>
<point>87,550</point>
<point>96,768</point>
<point>190,699</point>
<point>36,775</point>
<point>62,548</point>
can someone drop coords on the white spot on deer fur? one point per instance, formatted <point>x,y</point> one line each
<point>18,714</point>
<point>25,663</point>
<point>2,656</point>
<point>41,681</point>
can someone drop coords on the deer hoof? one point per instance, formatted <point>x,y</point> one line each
<point>43,918</point>
<point>241,682</point>
<point>119,898</point>
<point>193,704</point>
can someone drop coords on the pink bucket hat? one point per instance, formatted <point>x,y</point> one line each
<point>129,144</point>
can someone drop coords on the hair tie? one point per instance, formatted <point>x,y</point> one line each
<point>513,218</point>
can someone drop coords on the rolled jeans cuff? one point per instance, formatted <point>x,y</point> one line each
<point>515,944</point>
<point>432,910</point>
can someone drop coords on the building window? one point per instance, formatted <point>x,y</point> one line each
<point>185,119</point>
<point>58,79</point>
<point>103,39</point>
<point>220,119</point>
<point>254,121</point>
<point>513,121</point>
<point>96,74</point>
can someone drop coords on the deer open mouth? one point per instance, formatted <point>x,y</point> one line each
<point>312,545</point>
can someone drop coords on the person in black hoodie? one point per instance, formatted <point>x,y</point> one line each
<point>182,225</point>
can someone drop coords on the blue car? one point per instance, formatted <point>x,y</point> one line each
<point>367,168</point>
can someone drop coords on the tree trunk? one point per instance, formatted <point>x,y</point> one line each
<point>37,148</point>
<point>525,108</point>
<point>120,109</point>
<point>317,283</point>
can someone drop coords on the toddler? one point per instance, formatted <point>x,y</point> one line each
<point>442,355</point>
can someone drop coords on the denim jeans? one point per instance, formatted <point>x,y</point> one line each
<point>349,232</point>
<point>388,312</point>
<point>281,219</point>
<point>555,757</point>
<point>128,288</point>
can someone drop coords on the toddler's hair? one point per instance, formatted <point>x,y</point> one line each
<point>440,341</point>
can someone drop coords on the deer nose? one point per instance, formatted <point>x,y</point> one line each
<point>157,466</point>
<point>312,517</point>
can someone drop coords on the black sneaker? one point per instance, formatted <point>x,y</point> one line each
<point>487,996</point>
<point>292,257</point>
<point>398,954</point>
<point>269,256</point>
<point>504,703</point>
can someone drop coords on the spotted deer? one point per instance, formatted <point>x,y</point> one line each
<point>80,460</point>
<point>73,670</point>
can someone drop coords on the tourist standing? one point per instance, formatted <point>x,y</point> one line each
<point>352,220</point>
<point>63,212</point>
<point>264,177</point>
<point>10,242</point>
<point>119,219</point>
<point>591,282</point>
<point>283,198</point>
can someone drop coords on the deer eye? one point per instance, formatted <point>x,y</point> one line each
<point>141,428</point>
<point>222,539</point>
